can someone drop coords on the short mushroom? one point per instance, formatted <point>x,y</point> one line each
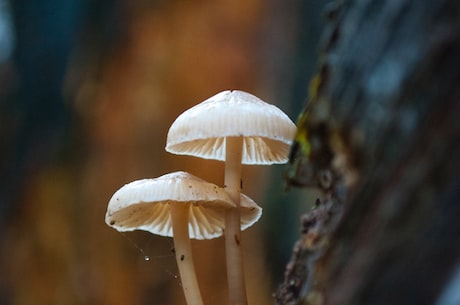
<point>181,206</point>
<point>238,128</point>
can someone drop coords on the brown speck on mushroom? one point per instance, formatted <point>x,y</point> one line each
<point>182,257</point>
<point>237,240</point>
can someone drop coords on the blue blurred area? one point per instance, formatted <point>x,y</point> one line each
<point>6,32</point>
<point>37,119</point>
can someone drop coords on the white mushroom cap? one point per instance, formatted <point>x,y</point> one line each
<point>143,205</point>
<point>201,130</point>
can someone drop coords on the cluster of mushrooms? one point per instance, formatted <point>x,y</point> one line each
<point>232,126</point>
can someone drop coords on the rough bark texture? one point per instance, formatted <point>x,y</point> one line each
<point>388,96</point>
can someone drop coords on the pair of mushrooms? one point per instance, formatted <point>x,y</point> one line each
<point>232,126</point>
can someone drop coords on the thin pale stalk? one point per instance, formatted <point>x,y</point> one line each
<point>183,249</point>
<point>234,255</point>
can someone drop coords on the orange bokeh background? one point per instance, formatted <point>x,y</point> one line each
<point>164,57</point>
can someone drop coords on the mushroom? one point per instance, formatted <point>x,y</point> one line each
<point>181,206</point>
<point>238,128</point>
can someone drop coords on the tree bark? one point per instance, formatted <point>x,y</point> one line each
<point>387,99</point>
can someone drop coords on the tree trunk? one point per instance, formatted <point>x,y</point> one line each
<point>383,119</point>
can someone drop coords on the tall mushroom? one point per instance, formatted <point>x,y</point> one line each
<point>238,128</point>
<point>181,206</point>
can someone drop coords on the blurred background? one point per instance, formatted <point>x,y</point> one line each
<point>88,90</point>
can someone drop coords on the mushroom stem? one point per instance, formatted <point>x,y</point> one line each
<point>183,250</point>
<point>234,255</point>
